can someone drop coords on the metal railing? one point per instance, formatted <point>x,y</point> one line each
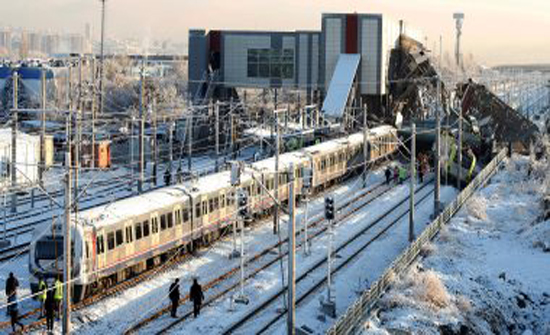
<point>350,321</point>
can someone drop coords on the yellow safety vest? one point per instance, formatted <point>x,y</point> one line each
<point>43,291</point>
<point>58,294</point>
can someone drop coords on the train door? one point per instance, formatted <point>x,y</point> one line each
<point>155,229</point>
<point>90,251</point>
<point>101,248</point>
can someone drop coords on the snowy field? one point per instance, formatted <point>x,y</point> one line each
<point>488,272</point>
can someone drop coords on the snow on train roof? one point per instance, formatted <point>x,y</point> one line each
<point>127,208</point>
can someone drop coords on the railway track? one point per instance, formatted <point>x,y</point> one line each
<point>228,281</point>
<point>314,277</point>
<point>124,285</point>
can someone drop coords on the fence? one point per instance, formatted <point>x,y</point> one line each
<point>352,318</point>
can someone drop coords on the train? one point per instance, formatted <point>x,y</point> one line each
<point>116,241</point>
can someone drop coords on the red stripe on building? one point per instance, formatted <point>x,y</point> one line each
<point>351,34</point>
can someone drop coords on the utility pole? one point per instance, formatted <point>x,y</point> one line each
<point>67,248</point>
<point>141,131</point>
<point>13,170</point>
<point>437,148</point>
<point>217,130</point>
<point>276,184</point>
<point>291,318</point>
<point>413,181</point>
<point>231,130</point>
<point>78,131</point>
<point>102,58</point>
<point>365,146</point>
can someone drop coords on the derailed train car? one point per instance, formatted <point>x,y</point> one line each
<point>117,241</point>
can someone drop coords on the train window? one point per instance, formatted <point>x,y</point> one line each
<point>155,225</point>
<point>163,222</point>
<point>222,201</point>
<point>145,228</point>
<point>216,203</point>
<point>119,237</point>
<point>110,241</point>
<point>197,209</point>
<point>129,238</point>
<point>211,205</point>
<point>170,219</point>
<point>100,247</point>
<point>258,189</point>
<point>185,215</point>
<point>178,217</point>
<point>204,208</point>
<point>138,230</point>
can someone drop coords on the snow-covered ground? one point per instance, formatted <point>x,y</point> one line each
<point>488,272</point>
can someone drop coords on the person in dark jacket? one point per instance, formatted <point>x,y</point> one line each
<point>388,175</point>
<point>196,296</point>
<point>13,310</point>
<point>174,295</point>
<point>11,285</point>
<point>49,310</point>
<point>167,177</point>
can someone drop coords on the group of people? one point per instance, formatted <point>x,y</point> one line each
<point>399,173</point>
<point>50,301</point>
<point>195,295</point>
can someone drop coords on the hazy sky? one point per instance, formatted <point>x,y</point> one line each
<point>495,31</point>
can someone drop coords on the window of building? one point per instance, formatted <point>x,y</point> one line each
<point>271,63</point>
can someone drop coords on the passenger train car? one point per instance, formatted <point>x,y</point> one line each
<point>116,241</point>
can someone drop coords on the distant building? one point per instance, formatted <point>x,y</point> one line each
<point>304,60</point>
<point>35,43</point>
<point>5,41</point>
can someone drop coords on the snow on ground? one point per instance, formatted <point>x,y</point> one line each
<point>116,314</point>
<point>486,273</point>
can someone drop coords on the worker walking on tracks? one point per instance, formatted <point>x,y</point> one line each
<point>49,310</point>
<point>11,288</point>
<point>42,294</point>
<point>402,175</point>
<point>58,295</point>
<point>174,295</point>
<point>388,175</point>
<point>13,310</point>
<point>196,295</point>
<point>396,175</point>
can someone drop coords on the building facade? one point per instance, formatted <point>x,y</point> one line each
<point>303,60</point>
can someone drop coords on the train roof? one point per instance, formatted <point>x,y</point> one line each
<point>125,209</point>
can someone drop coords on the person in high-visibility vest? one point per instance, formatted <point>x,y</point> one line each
<point>402,174</point>
<point>42,294</point>
<point>58,295</point>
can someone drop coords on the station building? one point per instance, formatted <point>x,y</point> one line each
<point>303,60</point>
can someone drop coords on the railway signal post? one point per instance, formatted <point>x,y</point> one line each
<point>329,307</point>
<point>242,211</point>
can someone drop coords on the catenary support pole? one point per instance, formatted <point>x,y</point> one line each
<point>217,130</point>
<point>14,121</point>
<point>141,131</point>
<point>102,59</point>
<point>365,146</point>
<point>153,113</point>
<point>66,326</point>
<point>437,164</point>
<point>459,181</point>
<point>276,179</point>
<point>93,107</point>
<point>291,253</point>
<point>413,181</point>
<point>42,166</point>
<point>190,142</point>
